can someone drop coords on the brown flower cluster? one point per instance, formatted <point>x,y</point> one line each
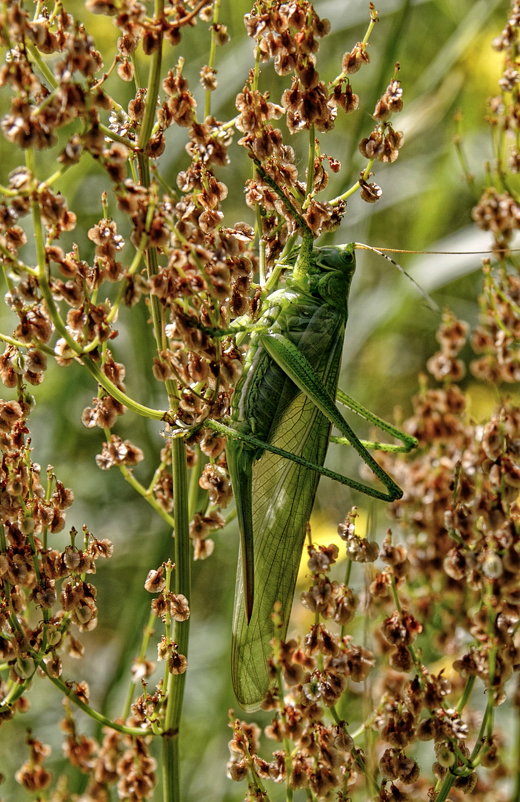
<point>316,673</point>
<point>411,703</point>
<point>33,574</point>
<point>461,498</point>
<point>32,775</point>
<point>199,272</point>
<point>497,338</point>
<point>289,34</point>
<point>461,510</point>
<point>117,761</point>
<point>499,213</point>
<point>37,111</point>
<point>498,210</point>
<point>461,513</point>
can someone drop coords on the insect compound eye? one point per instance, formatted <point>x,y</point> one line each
<point>340,257</point>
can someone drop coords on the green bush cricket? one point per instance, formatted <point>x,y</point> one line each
<point>282,414</point>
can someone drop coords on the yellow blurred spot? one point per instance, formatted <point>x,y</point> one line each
<point>482,401</point>
<point>444,664</point>
<point>323,533</point>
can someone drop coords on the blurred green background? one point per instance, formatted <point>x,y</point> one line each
<point>447,64</point>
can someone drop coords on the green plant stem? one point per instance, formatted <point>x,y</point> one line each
<point>170,768</point>
<point>11,341</point>
<point>68,691</point>
<point>516,793</point>
<point>119,395</point>
<point>152,92</point>
<point>461,154</point>
<point>354,188</point>
<point>16,691</point>
<point>147,495</point>
<point>136,261</point>
<point>346,582</point>
<point>487,719</point>
<point>174,686</point>
<point>311,155</point>
<point>212,56</point>
<point>470,682</point>
<point>42,66</point>
<point>148,631</point>
<point>487,722</point>
<point>193,492</point>
<point>117,137</point>
<point>182,584</point>
<point>13,263</point>
<point>256,781</point>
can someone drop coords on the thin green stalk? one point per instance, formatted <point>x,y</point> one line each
<point>310,163</point>
<point>146,494</point>
<point>116,137</point>
<point>174,684</point>
<point>487,719</point>
<point>8,193</point>
<point>486,730</point>
<point>354,188</point>
<point>13,263</point>
<point>136,261</point>
<point>470,682</point>
<point>147,633</point>
<point>119,395</point>
<point>11,341</point>
<point>346,582</point>
<point>516,793</point>
<point>16,691</point>
<point>193,492</point>
<point>461,155</point>
<point>363,762</point>
<point>170,763</point>
<point>285,200</point>
<point>44,69</point>
<point>256,781</point>
<point>212,56</point>
<point>182,584</point>
<point>152,92</point>
<point>261,245</point>
<point>68,691</point>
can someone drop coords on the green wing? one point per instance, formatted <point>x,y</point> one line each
<point>240,460</point>
<point>283,495</point>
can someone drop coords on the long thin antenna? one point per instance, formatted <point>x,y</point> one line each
<point>429,300</point>
<point>442,253</point>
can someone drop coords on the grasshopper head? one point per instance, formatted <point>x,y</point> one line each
<point>335,257</point>
<point>333,267</point>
